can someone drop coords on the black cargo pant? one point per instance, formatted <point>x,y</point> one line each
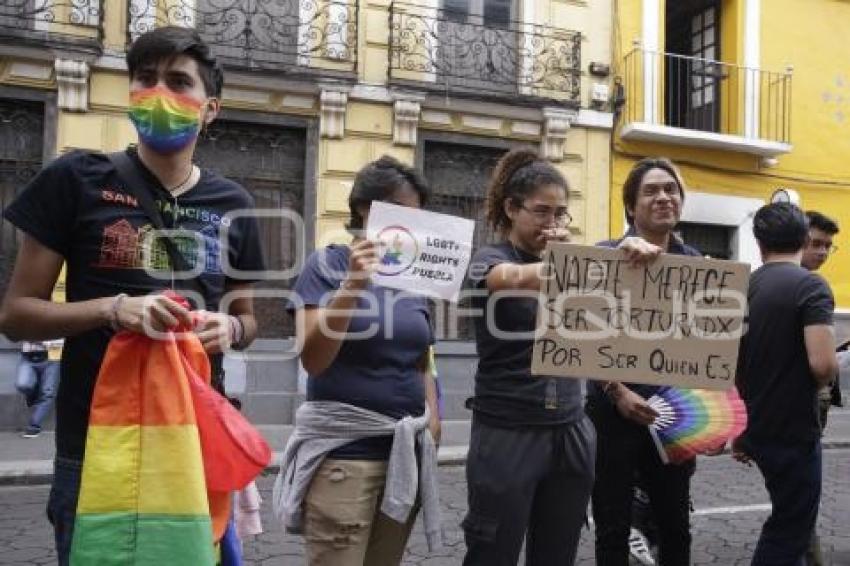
<point>529,484</point>
<point>624,451</point>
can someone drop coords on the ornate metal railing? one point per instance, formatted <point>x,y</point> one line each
<point>273,34</point>
<point>706,95</point>
<point>52,21</point>
<point>461,52</point>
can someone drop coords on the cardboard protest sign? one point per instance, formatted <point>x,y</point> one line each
<point>421,252</point>
<point>676,321</point>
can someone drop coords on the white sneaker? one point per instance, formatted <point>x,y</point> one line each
<point>639,548</point>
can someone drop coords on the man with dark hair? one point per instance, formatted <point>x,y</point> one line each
<point>167,44</point>
<point>653,195</point>
<point>822,230</point>
<point>786,354</point>
<point>819,247</point>
<point>633,187</point>
<point>82,210</point>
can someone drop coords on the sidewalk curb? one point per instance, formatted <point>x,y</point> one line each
<point>40,472</point>
<point>26,472</point>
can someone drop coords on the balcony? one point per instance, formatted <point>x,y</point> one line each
<point>485,57</point>
<point>696,102</point>
<point>73,24</point>
<point>290,36</point>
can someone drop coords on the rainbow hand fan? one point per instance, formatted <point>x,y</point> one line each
<point>693,421</point>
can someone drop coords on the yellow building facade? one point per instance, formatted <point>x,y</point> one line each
<point>748,97</point>
<point>314,90</point>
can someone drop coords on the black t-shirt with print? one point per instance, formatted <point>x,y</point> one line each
<point>775,379</point>
<point>506,394</point>
<point>79,207</point>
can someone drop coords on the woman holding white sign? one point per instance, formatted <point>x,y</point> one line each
<point>531,455</point>
<point>348,474</point>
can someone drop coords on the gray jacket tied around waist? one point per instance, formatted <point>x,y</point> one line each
<point>323,426</point>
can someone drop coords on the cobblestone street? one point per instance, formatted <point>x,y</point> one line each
<point>729,500</point>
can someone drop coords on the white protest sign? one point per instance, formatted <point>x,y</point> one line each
<point>676,321</point>
<point>419,251</point>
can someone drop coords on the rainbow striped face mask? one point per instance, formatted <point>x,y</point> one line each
<point>166,122</point>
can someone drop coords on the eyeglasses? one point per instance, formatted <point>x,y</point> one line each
<point>544,213</point>
<point>821,245</point>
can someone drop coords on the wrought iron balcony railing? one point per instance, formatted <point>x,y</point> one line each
<point>52,22</point>
<point>281,35</point>
<point>461,52</point>
<point>667,89</point>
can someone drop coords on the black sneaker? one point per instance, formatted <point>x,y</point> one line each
<point>31,433</point>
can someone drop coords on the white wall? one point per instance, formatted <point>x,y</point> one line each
<point>734,212</point>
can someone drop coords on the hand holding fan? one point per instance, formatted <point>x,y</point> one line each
<point>694,421</point>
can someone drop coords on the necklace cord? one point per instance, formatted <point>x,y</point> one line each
<point>184,181</point>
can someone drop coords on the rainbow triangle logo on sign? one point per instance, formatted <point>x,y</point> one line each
<point>398,250</point>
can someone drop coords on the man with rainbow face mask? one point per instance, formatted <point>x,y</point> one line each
<point>81,211</point>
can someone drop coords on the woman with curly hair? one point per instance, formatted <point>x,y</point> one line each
<point>531,455</point>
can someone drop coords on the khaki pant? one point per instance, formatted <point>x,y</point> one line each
<point>344,524</point>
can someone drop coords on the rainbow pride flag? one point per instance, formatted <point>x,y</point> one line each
<point>143,497</point>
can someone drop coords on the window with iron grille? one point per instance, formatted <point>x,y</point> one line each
<point>710,239</point>
<point>269,161</point>
<point>21,147</point>
<point>458,176</point>
<point>477,37</point>
<point>48,22</point>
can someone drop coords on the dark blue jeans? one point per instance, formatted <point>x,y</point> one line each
<point>38,381</point>
<point>792,475</point>
<point>62,504</point>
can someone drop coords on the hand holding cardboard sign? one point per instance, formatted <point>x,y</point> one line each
<point>556,234</point>
<point>639,251</point>
<point>674,321</point>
